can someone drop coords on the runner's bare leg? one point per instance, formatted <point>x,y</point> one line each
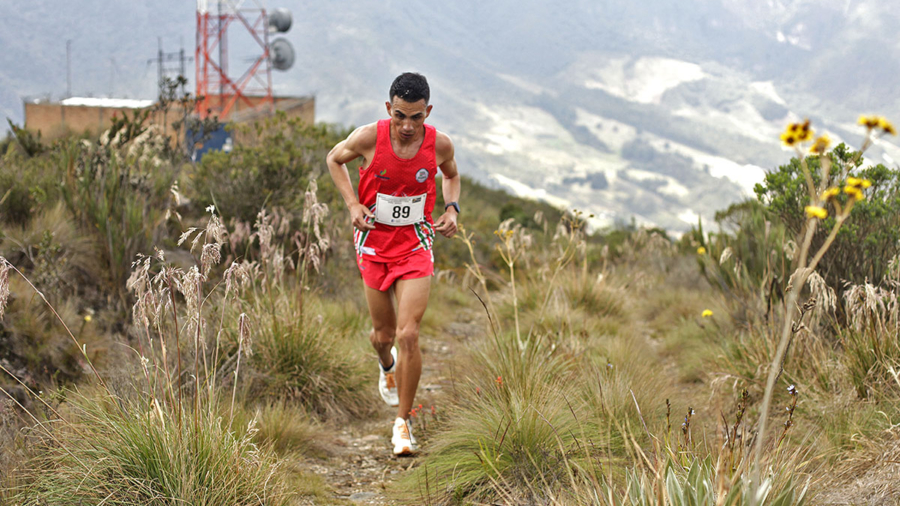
<point>412,299</point>
<point>384,323</point>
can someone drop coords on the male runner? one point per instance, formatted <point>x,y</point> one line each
<point>395,232</point>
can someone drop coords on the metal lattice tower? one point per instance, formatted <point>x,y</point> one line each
<point>217,90</point>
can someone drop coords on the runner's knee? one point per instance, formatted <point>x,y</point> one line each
<point>383,334</point>
<point>408,337</point>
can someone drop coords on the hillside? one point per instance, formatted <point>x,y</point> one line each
<point>196,333</point>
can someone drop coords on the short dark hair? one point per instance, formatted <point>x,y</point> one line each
<point>411,87</point>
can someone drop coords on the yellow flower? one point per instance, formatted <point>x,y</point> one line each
<point>806,133</point>
<point>854,192</point>
<point>858,183</point>
<point>701,250</point>
<point>87,318</point>
<point>789,139</point>
<point>830,193</point>
<point>886,126</point>
<point>706,313</point>
<point>881,122</point>
<point>816,212</point>
<point>797,132</point>
<point>820,145</point>
<point>869,122</point>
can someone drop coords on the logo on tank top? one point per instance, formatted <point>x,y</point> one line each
<point>382,175</point>
<point>422,175</point>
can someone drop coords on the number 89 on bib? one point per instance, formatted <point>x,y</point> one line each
<point>399,211</point>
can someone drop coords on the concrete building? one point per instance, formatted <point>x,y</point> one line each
<point>80,114</point>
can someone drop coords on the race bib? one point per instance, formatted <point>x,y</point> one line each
<point>399,211</point>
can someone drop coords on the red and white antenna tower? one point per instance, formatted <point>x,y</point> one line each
<point>217,90</point>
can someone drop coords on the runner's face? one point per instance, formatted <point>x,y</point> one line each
<point>407,118</point>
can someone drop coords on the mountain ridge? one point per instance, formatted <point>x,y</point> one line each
<point>540,98</point>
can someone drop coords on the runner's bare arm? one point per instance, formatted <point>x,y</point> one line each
<point>450,184</point>
<point>360,143</point>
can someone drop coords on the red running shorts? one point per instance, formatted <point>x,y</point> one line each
<point>382,275</point>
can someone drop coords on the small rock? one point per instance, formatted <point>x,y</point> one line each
<point>432,388</point>
<point>371,437</point>
<point>363,496</point>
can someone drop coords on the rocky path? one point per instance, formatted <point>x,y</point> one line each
<point>361,464</point>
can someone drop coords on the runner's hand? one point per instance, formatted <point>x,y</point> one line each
<point>446,224</point>
<point>358,215</point>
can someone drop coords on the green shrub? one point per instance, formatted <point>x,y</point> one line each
<point>28,141</point>
<point>513,211</point>
<point>270,166</point>
<point>118,193</point>
<point>868,239</point>
<point>27,182</point>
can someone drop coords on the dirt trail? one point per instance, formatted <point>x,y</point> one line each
<point>361,464</point>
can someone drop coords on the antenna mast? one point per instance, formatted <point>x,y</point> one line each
<point>164,67</point>
<point>212,56</point>
<point>69,68</point>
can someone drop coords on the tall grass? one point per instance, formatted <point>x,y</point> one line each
<point>154,442</point>
<point>502,425</point>
<point>167,435</point>
<point>561,412</point>
<point>117,190</point>
<point>140,451</point>
<point>310,362</point>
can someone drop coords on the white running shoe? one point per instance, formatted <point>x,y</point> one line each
<point>403,440</point>
<point>387,382</point>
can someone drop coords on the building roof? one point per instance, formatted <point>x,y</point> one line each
<point>111,103</point>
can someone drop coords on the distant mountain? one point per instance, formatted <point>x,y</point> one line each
<point>658,110</point>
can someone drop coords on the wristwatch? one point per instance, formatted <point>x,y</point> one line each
<point>454,205</point>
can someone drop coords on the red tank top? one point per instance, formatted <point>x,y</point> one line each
<point>391,175</point>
